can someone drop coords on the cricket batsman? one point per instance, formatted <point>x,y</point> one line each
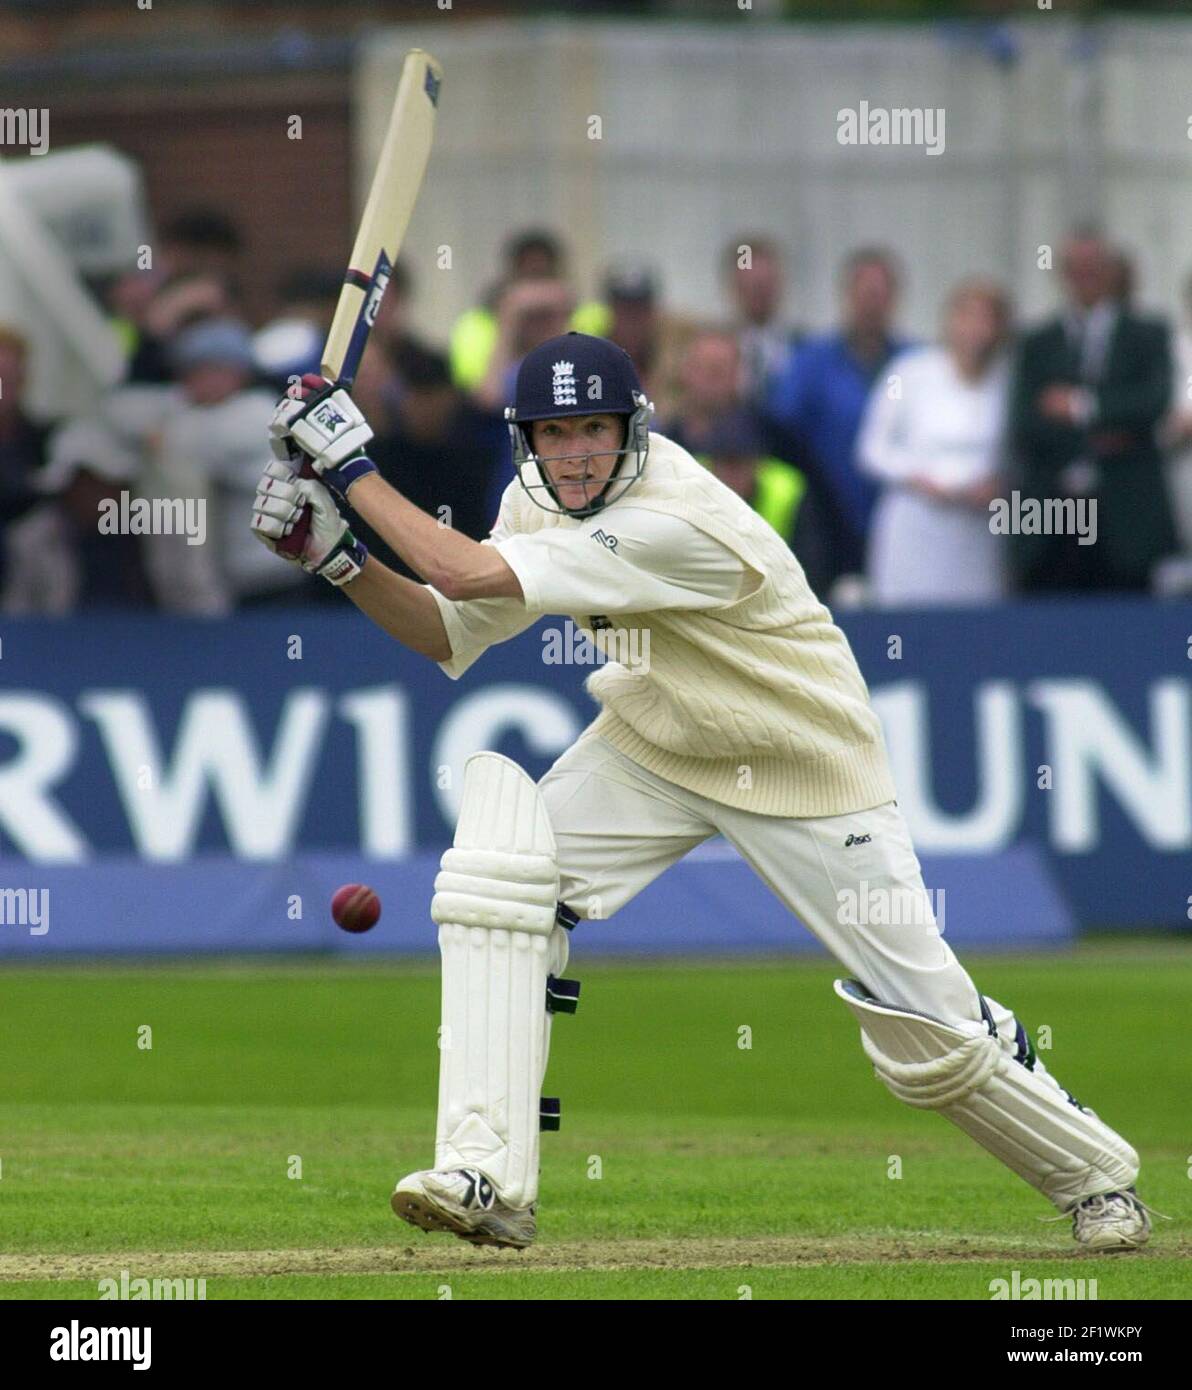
<point>750,719</point>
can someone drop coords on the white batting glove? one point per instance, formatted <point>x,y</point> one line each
<point>329,549</point>
<point>327,426</point>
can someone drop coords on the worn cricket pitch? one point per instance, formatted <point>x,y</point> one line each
<point>254,1145</point>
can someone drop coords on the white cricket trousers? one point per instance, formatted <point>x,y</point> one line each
<point>618,826</point>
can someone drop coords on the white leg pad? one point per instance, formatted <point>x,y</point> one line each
<point>1023,1117</point>
<point>495,902</point>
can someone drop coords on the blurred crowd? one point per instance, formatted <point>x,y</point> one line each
<point>879,459</point>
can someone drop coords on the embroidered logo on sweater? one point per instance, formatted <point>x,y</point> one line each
<point>605,539</point>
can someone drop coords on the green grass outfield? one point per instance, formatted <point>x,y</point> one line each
<point>687,1167</point>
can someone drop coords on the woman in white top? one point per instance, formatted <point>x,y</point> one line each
<point>934,434</point>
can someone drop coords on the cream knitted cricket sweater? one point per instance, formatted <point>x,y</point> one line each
<point>758,704</point>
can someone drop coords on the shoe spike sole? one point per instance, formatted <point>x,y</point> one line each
<point>418,1212</point>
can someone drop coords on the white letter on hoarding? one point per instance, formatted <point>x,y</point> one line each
<point>994,819</point>
<point>48,740</point>
<point>215,748</point>
<point>379,718</point>
<point>546,722</point>
<point>1089,741</point>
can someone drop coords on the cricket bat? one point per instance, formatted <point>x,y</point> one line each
<point>382,229</point>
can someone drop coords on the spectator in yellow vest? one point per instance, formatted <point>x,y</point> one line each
<point>715,424</point>
<point>735,451</point>
<point>527,256</point>
<point>528,313</point>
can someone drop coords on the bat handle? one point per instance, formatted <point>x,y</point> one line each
<point>293,543</point>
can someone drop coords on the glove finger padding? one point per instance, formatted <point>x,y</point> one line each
<point>277,504</point>
<point>277,474</point>
<point>285,413</point>
<point>326,546</point>
<point>274,514</point>
<point>293,404</point>
<point>284,450</point>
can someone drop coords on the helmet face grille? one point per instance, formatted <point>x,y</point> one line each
<point>573,375</point>
<point>629,467</point>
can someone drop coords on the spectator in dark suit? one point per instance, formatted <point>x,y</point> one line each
<point>756,282</point>
<point>653,336</point>
<point>438,451</point>
<point>22,441</point>
<point>1091,389</point>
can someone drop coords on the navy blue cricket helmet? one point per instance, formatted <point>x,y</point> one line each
<point>577,374</point>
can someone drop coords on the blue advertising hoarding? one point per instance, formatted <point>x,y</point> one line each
<point>185,785</point>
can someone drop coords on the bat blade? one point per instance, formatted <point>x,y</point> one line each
<point>391,198</point>
<point>398,177</point>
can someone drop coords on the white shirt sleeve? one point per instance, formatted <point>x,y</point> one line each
<point>632,560</point>
<point>473,625</point>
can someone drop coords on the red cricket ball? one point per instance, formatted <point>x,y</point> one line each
<point>355,907</point>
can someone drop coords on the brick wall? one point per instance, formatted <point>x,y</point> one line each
<point>225,145</point>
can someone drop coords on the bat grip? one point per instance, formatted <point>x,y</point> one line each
<point>293,543</point>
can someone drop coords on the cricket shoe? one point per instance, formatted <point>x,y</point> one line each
<point>1111,1221</point>
<point>464,1202</point>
